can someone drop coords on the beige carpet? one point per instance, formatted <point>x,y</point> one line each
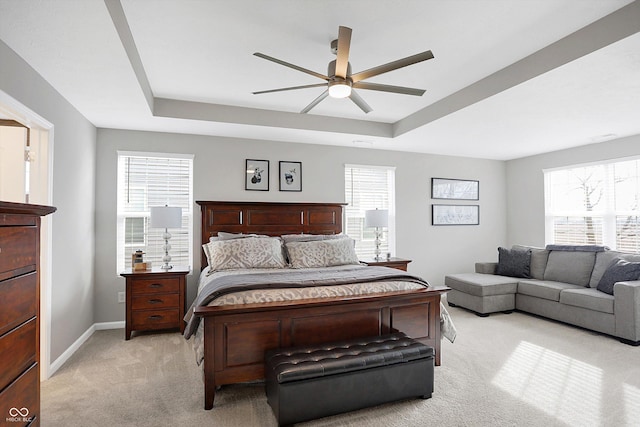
<point>504,370</point>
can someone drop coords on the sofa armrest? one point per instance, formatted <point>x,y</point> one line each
<point>486,267</point>
<point>627,309</point>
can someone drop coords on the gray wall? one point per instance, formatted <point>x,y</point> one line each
<point>74,159</point>
<point>218,175</point>
<point>525,184</point>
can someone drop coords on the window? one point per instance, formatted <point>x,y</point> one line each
<point>146,180</point>
<point>594,204</point>
<point>369,187</point>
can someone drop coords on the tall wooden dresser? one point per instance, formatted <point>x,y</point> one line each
<point>19,313</point>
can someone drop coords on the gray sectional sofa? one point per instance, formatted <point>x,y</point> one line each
<point>587,286</point>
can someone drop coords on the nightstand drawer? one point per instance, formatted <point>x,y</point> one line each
<point>155,319</point>
<point>155,301</point>
<point>152,286</point>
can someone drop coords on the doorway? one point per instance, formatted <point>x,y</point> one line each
<point>26,171</point>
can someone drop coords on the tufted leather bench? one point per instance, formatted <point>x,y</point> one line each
<point>305,383</point>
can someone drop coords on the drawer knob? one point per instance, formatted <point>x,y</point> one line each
<point>155,301</point>
<point>155,317</point>
<point>155,285</point>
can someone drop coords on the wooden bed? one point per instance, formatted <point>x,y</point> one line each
<point>236,336</point>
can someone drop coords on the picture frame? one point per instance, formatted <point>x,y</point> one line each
<point>455,214</point>
<point>456,189</point>
<point>256,175</point>
<point>290,176</point>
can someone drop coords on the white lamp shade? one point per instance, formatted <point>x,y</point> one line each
<point>376,218</point>
<point>166,217</point>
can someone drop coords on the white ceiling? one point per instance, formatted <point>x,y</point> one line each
<point>509,78</point>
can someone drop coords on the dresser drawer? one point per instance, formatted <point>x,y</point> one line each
<point>18,249</point>
<point>17,351</point>
<point>155,319</point>
<point>19,298</point>
<point>22,393</point>
<point>152,286</point>
<point>155,301</point>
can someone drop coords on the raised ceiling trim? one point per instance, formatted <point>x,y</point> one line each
<point>612,28</point>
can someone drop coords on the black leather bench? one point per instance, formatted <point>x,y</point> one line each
<point>305,383</point>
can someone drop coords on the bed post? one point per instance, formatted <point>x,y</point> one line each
<point>209,364</point>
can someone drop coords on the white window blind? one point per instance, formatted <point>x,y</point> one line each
<point>369,187</point>
<point>594,204</point>
<point>146,180</point>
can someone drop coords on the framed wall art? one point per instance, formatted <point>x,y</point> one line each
<point>459,189</point>
<point>256,175</point>
<point>455,214</point>
<point>290,176</point>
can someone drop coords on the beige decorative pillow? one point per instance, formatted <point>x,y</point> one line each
<point>249,252</point>
<point>321,253</point>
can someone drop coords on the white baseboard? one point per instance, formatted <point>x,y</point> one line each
<point>109,325</point>
<point>57,364</point>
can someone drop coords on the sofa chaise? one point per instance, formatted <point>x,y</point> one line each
<point>587,286</point>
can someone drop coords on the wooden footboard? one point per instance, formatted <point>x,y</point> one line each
<point>236,337</point>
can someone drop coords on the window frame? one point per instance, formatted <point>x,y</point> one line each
<point>122,247</point>
<point>606,212</point>
<point>367,235</point>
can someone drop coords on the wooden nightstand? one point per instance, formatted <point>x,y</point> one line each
<point>399,263</point>
<point>155,299</point>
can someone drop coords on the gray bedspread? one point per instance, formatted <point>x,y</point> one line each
<point>291,279</point>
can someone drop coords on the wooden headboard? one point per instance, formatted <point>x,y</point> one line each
<point>273,219</point>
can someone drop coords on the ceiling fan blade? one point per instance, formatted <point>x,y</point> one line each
<point>360,102</point>
<point>389,88</point>
<point>289,88</point>
<point>394,65</point>
<point>315,102</point>
<point>344,43</point>
<point>286,64</point>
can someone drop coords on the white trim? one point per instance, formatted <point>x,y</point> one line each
<point>593,163</point>
<point>152,154</point>
<point>103,326</point>
<point>57,364</point>
<point>21,113</point>
<point>352,165</point>
<point>62,359</point>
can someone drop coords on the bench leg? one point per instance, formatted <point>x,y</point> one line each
<point>629,342</point>
<point>482,314</point>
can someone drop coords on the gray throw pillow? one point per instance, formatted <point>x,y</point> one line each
<point>619,271</point>
<point>514,263</point>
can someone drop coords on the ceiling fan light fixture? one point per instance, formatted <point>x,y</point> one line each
<point>339,89</point>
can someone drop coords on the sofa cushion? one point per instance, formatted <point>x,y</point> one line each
<point>604,259</point>
<point>538,262</point>
<point>570,267</point>
<point>544,289</point>
<point>589,298</point>
<point>619,271</point>
<point>513,262</point>
<point>481,285</point>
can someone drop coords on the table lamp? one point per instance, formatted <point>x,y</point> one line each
<point>166,217</point>
<point>377,218</point>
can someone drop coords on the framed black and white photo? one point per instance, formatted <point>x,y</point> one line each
<point>256,175</point>
<point>290,176</point>
<point>459,189</point>
<point>455,214</point>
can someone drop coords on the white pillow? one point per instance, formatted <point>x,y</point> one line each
<point>249,252</point>
<point>322,253</point>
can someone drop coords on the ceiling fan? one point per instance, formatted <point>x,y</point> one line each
<point>340,82</point>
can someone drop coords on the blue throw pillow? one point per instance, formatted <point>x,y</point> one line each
<point>514,263</point>
<point>618,271</point>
